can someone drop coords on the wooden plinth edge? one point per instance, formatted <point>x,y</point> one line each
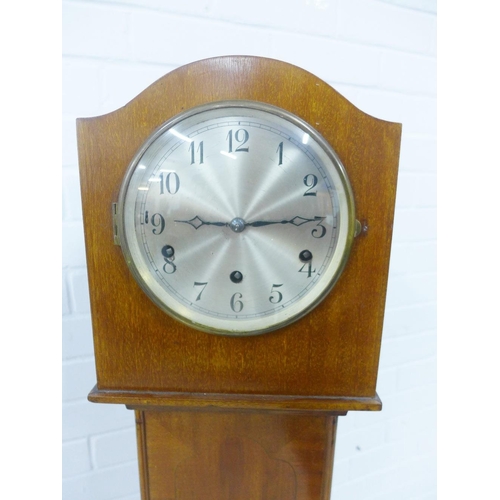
<point>169,400</point>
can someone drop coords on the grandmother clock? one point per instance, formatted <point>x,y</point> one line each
<point>238,218</point>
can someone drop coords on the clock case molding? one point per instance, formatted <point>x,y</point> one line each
<point>326,362</point>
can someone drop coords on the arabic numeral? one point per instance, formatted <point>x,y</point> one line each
<point>280,153</point>
<point>276,296</point>
<point>168,253</point>
<point>241,136</point>
<point>203,285</point>
<point>319,233</point>
<point>170,182</point>
<point>169,267</point>
<point>310,181</point>
<point>193,150</point>
<point>307,269</point>
<point>158,223</point>
<point>236,305</point>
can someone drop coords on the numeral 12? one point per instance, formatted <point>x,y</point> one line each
<point>241,136</point>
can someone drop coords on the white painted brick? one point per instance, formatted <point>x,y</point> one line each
<point>423,5</point>
<point>431,495</point>
<point>413,422</point>
<point>66,309</point>
<point>340,470</point>
<point>72,202</point>
<point>387,381</point>
<point>415,225</point>
<point>198,8</point>
<point>123,83</point>
<point>408,491</point>
<point>407,349</point>
<point>416,190</point>
<point>395,406</point>
<point>351,443</point>
<point>78,379</point>
<point>77,337</point>
<point>95,31</point>
<point>420,373</point>
<point>418,114</point>
<point>413,258</point>
<point>73,247</point>
<point>69,145</point>
<point>317,17</point>
<point>409,320</point>
<point>363,419</point>
<point>75,458</point>
<point>350,490</point>
<point>372,461</point>
<point>79,292</point>
<point>331,61</point>
<point>408,478</point>
<point>406,290</point>
<point>107,484</point>
<point>346,423</point>
<point>114,448</point>
<point>350,92</point>
<point>384,457</point>
<point>375,23</point>
<point>158,38</point>
<point>398,406</point>
<point>433,39</point>
<point>408,72</point>
<point>418,154</point>
<point>81,91</point>
<point>82,418</point>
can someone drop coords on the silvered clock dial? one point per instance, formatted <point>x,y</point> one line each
<point>236,217</point>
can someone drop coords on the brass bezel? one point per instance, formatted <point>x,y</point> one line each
<point>352,229</point>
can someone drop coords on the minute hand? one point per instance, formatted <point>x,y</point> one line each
<point>296,221</point>
<point>197,222</point>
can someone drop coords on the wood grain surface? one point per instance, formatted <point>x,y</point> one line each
<point>188,455</point>
<point>333,352</point>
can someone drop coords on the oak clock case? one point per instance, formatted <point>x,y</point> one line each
<point>237,317</point>
<point>236,217</point>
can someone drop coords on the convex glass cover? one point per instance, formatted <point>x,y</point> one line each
<point>236,217</point>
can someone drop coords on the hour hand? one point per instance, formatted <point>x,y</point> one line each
<point>197,222</point>
<point>296,221</point>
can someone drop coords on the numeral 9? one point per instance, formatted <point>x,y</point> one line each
<point>158,223</point>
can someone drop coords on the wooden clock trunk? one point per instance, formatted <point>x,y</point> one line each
<point>223,417</point>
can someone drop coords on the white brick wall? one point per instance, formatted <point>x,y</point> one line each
<point>381,55</point>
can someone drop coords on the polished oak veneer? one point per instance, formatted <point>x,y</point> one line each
<point>222,417</point>
<point>228,455</point>
<point>334,350</point>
